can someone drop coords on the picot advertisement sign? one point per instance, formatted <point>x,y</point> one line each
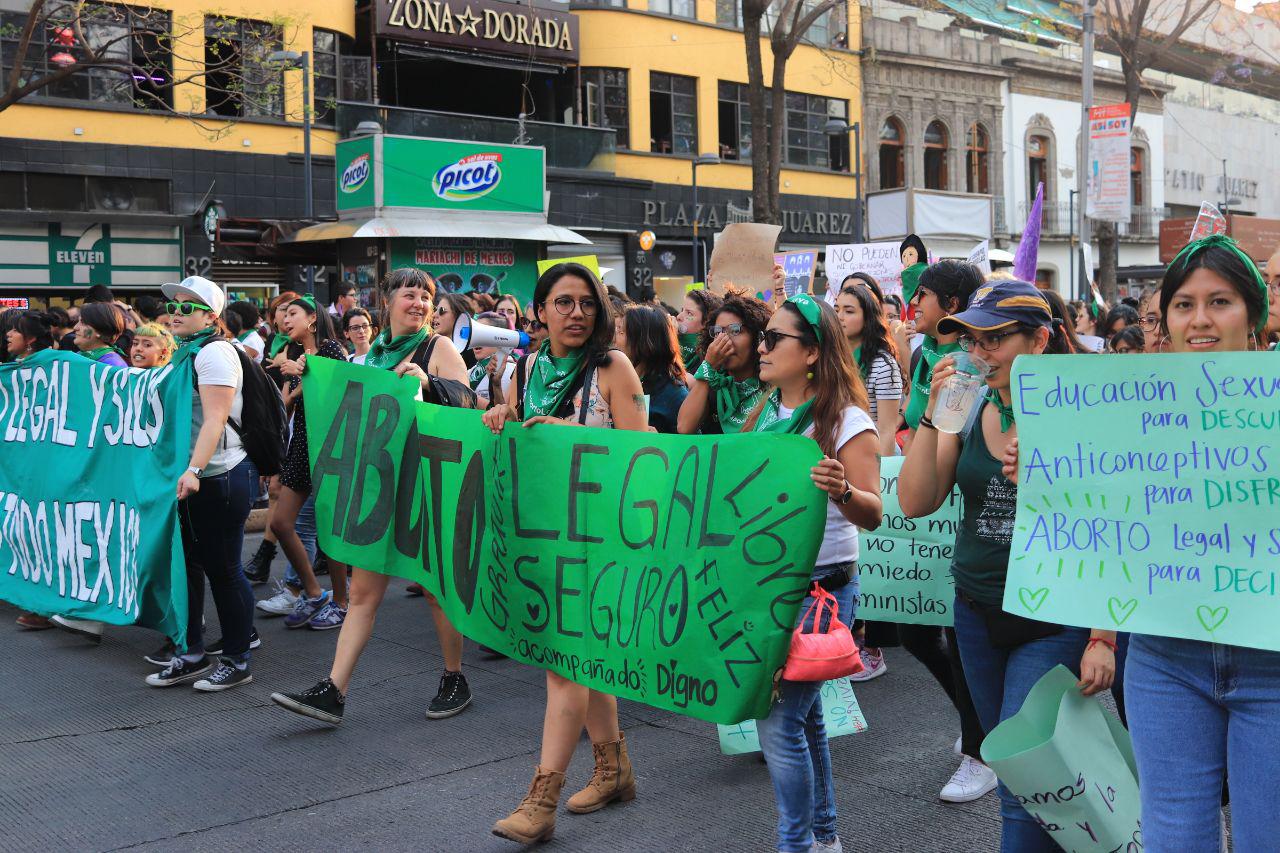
<point>487,25</point>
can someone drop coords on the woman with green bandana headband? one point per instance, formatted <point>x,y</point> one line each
<point>404,347</point>
<point>699,305</point>
<point>101,323</point>
<point>726,386</point>
<point>813,390</point>
<point>573,379</point>
<point>944,288</point>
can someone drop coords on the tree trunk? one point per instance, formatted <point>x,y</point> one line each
<point>1108,238</point>
<point>778,96</point>
<point>752,12</point>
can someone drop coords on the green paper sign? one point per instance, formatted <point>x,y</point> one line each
<point>1149,495</point>
<point>665,569</point>
<point>904,567</point>
<point>591,262</point>
<point>841,715</point>
<point>1070,764</point>
<point>88,472</point>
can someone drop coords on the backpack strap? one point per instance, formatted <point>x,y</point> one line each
<point>522,365</point>
<point>588,375</point>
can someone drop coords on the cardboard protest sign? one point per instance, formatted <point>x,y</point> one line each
<point>1070,764</point>
<point>1148,495</point>
<point>879,260</point>
<point>980,257</point>
<point>798,268</point>
<point>904,567</point>
<point>743,257</point>
<point>665,569</point>
<point>94,535</point>
<point>841,715</point>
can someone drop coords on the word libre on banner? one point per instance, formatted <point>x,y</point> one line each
<point>841,715</point>
<point>1149,495</point>
<point>94,536</point>
<point>664,569</point>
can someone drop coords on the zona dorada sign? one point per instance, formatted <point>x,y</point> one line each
<point>488,25</point>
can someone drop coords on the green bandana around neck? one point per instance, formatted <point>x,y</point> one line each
<point>478,372</point>
<point>550,380</point>
<point>1006,411</point>
<point>278,342</point>
<point>196,339</point>
<point>734,399</point>
<point>98,352</point>
<point>689,350</point>
<point>931,352</point>
<point>387,351</point>
<point>771,419</point>
<point>1192,249</point>
<point>857,362</point>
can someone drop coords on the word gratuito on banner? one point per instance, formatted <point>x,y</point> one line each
<point>1149,502</point>
<point>664,569</point>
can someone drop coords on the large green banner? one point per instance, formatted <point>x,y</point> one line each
<point>89,467</point>
<point>665,569</point>
<point>1149,495</point>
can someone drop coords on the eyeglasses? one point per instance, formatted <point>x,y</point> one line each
<point>530,325</point>
<point>1274,286</point>
<point>185,308</point>
<point>1149,323</point>
<point>564,305</point>
<point>771,337</point>
<point>360,327</point>
<point>991,343</point>
<point>732,330</point>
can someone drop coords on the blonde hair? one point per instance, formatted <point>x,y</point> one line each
<point>167,341</point>
<point>1001,274</point>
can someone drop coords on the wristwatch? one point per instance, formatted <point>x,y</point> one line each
<point>847,495</point>
<point>194,470</point>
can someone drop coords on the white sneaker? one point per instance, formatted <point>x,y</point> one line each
<point>958,748</point>
<point>972,780</point>
<point>87,628</point>
<point>873,666</point>
<point>833,846</point>
<point>280,604</point>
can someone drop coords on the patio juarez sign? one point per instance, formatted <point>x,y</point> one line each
<point>664,569</point>
<point>1148,493</point>
<point>92,530</point>
<point>486,25</point>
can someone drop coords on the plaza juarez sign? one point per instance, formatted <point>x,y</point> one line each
<point>488,25</point>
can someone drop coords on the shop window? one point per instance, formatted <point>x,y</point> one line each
<point>1137,172</point>
<point>977,160</point>
<point>675,8</point>
<point>893,173</point>
<point>127,195</point>
<point>239,81</point>
<point>673,114</point>
<point>604,101</point>
<point>935,156</point>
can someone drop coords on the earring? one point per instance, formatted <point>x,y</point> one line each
<point>809,375</point>
<point>313,330</point>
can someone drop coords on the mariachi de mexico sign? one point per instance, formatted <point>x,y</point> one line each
<point>486,25</point>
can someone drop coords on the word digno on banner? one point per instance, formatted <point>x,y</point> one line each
<point>665,569</point>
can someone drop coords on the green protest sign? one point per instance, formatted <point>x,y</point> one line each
<point>665,569</point>
<point>88,471</point>
<point>841,715</point>
<point>904,569</point>
<point>1070,764</point>
<point>1148,493</point>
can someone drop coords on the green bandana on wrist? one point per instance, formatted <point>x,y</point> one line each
<point>387,351</point>
<point>771,419</point>
<point>734,399</point>
<point>1192,249</point>
<point>1006,412</point>
<point>550,380</point>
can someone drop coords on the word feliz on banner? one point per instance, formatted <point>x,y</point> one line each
<point>665,569</point>
<point>1150,503</point>
<point>90,458</point>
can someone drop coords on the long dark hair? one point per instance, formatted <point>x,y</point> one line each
<point>754,314</point>
<point>1063,322</point>
<point>1228,265</point>
<point>875,330</point>
<point>708,303</point>
<point>602,331</point>
<point>652,343</point>
<point>38,327</point>
<point>867,279</point>
<point>324,324</point>
<point>105,319</point>
<point>1121,312</point>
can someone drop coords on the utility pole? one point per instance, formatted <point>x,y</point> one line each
<point>1082,160</point>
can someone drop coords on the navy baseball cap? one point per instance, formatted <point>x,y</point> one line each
<point>998,304</point>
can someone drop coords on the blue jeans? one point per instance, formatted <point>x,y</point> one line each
<point>794,742</point>
<point>306,529</point>
<point>999,681</point>
<point>1198,711</point>
<point>212,522</point>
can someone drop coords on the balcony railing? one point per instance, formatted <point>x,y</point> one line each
<point>1143,224</point>
<point>568,146</point>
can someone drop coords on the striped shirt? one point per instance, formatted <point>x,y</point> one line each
<point>884,382</point>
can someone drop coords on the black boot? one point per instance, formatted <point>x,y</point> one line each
<point>258,569</point>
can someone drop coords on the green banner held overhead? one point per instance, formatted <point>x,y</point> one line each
<point>1149,495</point>
<point>665,569</point>
<point>89,465</point>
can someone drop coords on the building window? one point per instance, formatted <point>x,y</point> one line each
<point>1039,166</point>
<point>935,156</point>
<point>828,30</point>
<point>57,191</point>
<point>1137,171</point>
<point>977,160</point>
<point>735,121</point>
<point>239,81</point>
<point>893,161</point>
<point>673,114</point>
<point>604,101</point>
<point>604,4</point>
<point>324,75</point>
<point>807,141</point>
<point>675,8</point>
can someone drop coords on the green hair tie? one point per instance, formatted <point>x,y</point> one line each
<point>810,310</point>
<point>1189,252</point>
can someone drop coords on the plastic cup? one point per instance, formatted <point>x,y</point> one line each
<point>958,395</point>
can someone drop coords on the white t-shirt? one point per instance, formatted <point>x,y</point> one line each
<point>218,364</point>
<point>359,359</point>
<point>508,373</point>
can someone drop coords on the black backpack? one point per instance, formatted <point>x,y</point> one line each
<point>262,427</point>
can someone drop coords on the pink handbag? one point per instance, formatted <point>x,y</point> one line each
<point>822,656</point>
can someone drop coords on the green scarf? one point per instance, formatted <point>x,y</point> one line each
<point>478,372</point>
<point>734,399</point>
<point>387,351</point>
<point>1006,412</point>
<point>931,352</point>
<point>771,420</point>
<point>689,350</point>
<point>98,352</point>
<point>857,362</point>
<point>195,340</point>
<point>550,380</point>
<point>277,343</point>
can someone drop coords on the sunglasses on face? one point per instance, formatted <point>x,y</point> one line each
<point>185,308</point>
<point>732,330</point>
<point>564,306</point>
<point>772,337</point>
<point>530,325</point>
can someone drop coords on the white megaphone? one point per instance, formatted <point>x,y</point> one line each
<point>469,335</point>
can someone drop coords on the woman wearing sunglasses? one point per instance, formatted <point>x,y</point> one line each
<point>573,379</point>
<point>726,387</point>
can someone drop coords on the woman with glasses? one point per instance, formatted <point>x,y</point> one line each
<point>699,305</point>
<point>573,379</point>
<point>359,329</point>
<point>726,386</point>
<point>647,334</point>
<point>814,391</point>
<point>1130,339</point>
<point>875,356</point>
<point>491,375</point>
<point>533,327</point>
<point>100,325</point>
<point>1004,655</point>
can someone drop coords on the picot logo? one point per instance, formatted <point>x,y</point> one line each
<point>356,173</point>
<point>470,178</point>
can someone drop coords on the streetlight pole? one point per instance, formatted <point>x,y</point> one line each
<point>302,61</point>
<point>1082,156</point>
<point>1071,241</point>
<point>835,127</point>
<point>700,160</point>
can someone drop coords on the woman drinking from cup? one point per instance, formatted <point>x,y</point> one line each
<point>698,306</point>
<point>726,386</point>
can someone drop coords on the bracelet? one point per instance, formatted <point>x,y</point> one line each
<point>1108,643</point>
<point>926,423</point>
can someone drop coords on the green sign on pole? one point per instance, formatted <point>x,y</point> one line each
<point>1148,495</point>
<point>665,569</point>
<point>90,461</point>
<point>359,172</point>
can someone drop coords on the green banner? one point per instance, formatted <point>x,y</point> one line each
<point>904,568</point>
<point>664,569</point>
<point>88,472</point>
<point>1149,495</point>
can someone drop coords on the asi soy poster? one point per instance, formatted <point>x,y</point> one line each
<point>1149,495</point>
<point>88,475</point>
<point>664,569</point>
<point>841,715</point>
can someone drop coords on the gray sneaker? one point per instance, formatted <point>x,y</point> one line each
<point>307,609</point>
<point>281,603</point>
<point>331,616</point>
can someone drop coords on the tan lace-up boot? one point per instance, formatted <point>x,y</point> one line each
<point>612,781</point>
<point>535,818</point>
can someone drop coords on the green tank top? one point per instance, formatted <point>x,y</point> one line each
<point>981,559</point>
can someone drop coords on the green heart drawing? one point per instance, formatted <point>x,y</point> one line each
<point>1121,610</point>
<point>1211,617</point>
<point>1032,599</point>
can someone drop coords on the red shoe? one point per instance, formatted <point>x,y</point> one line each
<point>32,622</point>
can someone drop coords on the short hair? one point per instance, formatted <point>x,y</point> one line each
<point>148,307</point>
<point>104,318</point>
<point>249,315</point>
<point>99,293</point>
<point>154,330</point>
<point>951,279</point>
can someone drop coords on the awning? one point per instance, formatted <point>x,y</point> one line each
<point>441,226</point>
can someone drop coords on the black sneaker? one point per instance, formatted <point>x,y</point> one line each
<point>226,676</point>
<point>322,702</point>
<point>215,648</point>
<point>258,569</point>
<point>179,671</point>
<point>453,697</point>
<point>162,655</point>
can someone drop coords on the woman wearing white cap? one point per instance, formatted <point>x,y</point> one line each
<point>213,494</point>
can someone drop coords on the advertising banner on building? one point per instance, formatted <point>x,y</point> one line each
<point>471,265</point>
<point>1108,177</point>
